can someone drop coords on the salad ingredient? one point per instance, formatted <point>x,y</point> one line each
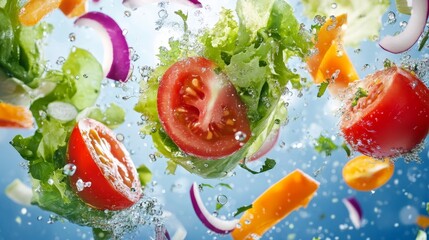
<point>355,211</point>
<point>174,225</point>
<point>112,116</point>
<point>421,235</point>
<point>404,6</point>
<point>138,3</point>
<point>35,10</point>
<point>73,8</point>
<point>18,192</point>
<point>360,13</point>
<point>269,144</point>
<point>330,62</point>
<point>393,119</point>
<point>268,165</point>
<point>145,175</point>
<point>62,111</point>
<point>213,223</point>
<point>422,221</point>
<point>15,116</point>
<point>253,53</point>
<point>325,145</point>
<point>201,111</point>
<point>105,176</point>
<point>275,204</point>
<point>415,27</point>
<point>365,173</point>
<point>116,63</point>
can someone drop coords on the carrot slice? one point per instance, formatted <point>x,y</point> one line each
<point>422,221</point>
<point>330,58</point>
<point>73,8</point>
<point>15,116</point>
<point>34,10</point>
<point>290,193</point>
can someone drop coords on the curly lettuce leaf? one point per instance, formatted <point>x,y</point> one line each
<point>112,116</point>
<point>359,14</point>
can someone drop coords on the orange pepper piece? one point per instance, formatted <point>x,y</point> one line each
<point>330,57</point>
<point>290,193</point>
<point>365,173</point>
<point>422,221</point>
<point>73,8</point>
<point>15,116</point>
<point>34,10</point>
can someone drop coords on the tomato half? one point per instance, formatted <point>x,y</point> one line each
<point>105,176</point>
<point>200,109</point>
<point>393,119</point>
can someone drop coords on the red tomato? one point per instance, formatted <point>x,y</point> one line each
<point>105,176</point>
<point>200,109</point>
<point>393,119</point>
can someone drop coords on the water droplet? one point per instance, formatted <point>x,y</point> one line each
<point>24,211</point>
<point>247,221</point>
<point>72,37</point>
<point>162,14</point>
<point>51,181</point>
<point>357,50</point>
<point>391,18</point>
<point>69,169</point>
<point>222,199</point>
<point>403,24</point>
<point>120,137</point>
<point>334,5</point>
<point>87,184</point>
<point>60,60</point>
<point>240,136</point>
<point>39,218</point>
<point>80,185</point>
<point>127,13</point>
<point>152,157</point>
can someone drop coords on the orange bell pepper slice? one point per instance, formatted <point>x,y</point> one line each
<point>15,116</point>
<point>290,193</point>
<point>330,59</point>
<point>73,8</point>
<point>34,10</point>
<point>422,221</point>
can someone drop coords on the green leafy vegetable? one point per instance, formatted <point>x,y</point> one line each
<point>224,185</point>
<point>347,149</point>
<point>253,52</point>
<point>145,175</point>
<point>424,40</point>
<point>203,185</point>
<point>268,165</point>
<point>427,207</point>
<point>325,145</point>
<point>219,206</point>
<point>112,116</point>
<point>242,209</point>
<point>360,93</point>
<point>322,89</point>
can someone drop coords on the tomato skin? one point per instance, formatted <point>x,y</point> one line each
<point>102,193</point>
<point>395,121</point>
<point>200,110</point>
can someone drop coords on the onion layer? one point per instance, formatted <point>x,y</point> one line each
<point>213,223</point>
<point>116,64</point>
<point>355,211</point>
<point>415,27</point>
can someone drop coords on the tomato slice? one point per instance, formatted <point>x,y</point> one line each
<point>105,176</point>
<point>200,109</point>
<point>393,119</point>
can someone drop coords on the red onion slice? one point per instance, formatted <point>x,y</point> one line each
<point>138,3</point>
<point>355,211</point>
<point>269,143</point>
<point>415,27</point>
<point>116,63</point>
<point>211,222</point>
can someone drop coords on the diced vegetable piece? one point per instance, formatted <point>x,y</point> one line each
<point>15,116</point>
<point>73,8</point>
<point>290,193</point>
<point>34,10</point>
<point>422,221</point>
<point>18,192</point>
<point>365,173</point>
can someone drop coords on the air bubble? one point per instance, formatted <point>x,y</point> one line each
<point>120,137</point>
<point>391,18</point>
<point>240,136</point>
<point>69,169</point>
<point>334,5</point>
<point>152,157</point>
<point>72,37</point>
<point>127,13</point>
<point>60,60</point>
<point>51,181</point>
<point>222,199</point>
<point>80,185</point>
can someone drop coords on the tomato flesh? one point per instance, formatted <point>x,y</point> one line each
<point>393,119</point>
<point>201,111</point>
<point>105,176</point>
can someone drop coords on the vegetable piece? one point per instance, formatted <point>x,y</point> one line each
<point>116,63</point>
<point>138,3</point>
<point>404,6</point>
<point>18,192</point>
<point>34,10</point>
<point>330,61</point>
<point>415,27</point>
<point>364,173</point>
<point>268,165</point>
<point>62,111</point>
<point>15,116</point>
<point>275,204</point>
<point>422,221</point>
<point>268,144</point>
<point>73,8</point>
<point>355,211</point>
<point>200,109</point>
<point>393,119</point>
<point>105,176</point>
<point>421,235</point>
<point>215,224</point>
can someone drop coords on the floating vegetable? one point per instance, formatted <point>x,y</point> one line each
<point>290,193</point>
<point>15,116</point>
<point>355,211</point>
<point>62,111</point>
<point>415,27</point>
<point>116,63</point>
<point>422,221</point>
<point>35,10</point>
<point>393,119</point>
<point>73,8</point>
<point>365,173</point>
<point>211,222</point>
<point>138,3</point>
<point>20,193</point>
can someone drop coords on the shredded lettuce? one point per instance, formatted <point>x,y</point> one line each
<point>359,14</point>
<point>253,52</point>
